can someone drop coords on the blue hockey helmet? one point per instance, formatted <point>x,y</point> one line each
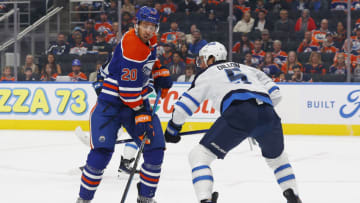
<point>76,62</point>
<point>148,14</point>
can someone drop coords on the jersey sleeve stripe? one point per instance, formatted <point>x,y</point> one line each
<point>110,92</point>
<point>132,89</point>
<point>110,86</point>
<point>273,89</point>
<point>133,104</point>
<point>110,80</point>
<point>192,99</point>
<point>129,94</point>
<point>130,99</point>
<point>184,107</point>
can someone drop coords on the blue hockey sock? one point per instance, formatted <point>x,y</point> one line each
<point>96,163</point>
<point>150,172</point>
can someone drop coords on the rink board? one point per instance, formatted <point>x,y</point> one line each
<point>306,108</point>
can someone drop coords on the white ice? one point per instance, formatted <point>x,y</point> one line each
<point>42,167</point>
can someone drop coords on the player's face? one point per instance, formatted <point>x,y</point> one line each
<point>201,63</point>
<point>146,30</point>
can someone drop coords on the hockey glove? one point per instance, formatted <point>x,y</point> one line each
<point>162,80</point>
<point>99,83</point>
<point>143,124</point>
<point>171,133</point>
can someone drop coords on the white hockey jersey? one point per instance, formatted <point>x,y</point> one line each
<point>223,83</point>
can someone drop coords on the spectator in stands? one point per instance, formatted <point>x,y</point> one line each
<point>339,67</point>
<point>291,61</point>
<point>189,74</point>
<point>163,16</point>
<point>128,7</point>
<point>29,63</point>
<point>28,75</point>
<point>308,45</point>
<point>113,38</point>
<point>168,7</point>
<point>49,74</point>
<point>353,58</point>
<point>275,5</point>
<point>126,22</point>
<point>261,23</point>
<point>205,7</point>
<point>244,45</point>
<point>185,55</point>
<point>260,6</point>
<point>299,5</point>
<point>355,6</point>
<point>319,35</point>
<point>112,11</point>
<point>89,32</point>
<point>71,38</point>
<point>166,58</point>
<point>356,73</point>
<point>245,24</point>
<point>315,65</point>
<point>248,60</point>
<point>328,45</point>
<point>197,42</point>
<point>80,47</point>
<point>7,75</point>
<point>279,55</point>
<point>241,7</point>
<point>340,35</point>
<point>52,60</point>
<point>176,66</point>
<point>59,47</point>
<point>338,5</point>
<point>93,75</point>
<point>103,25</point>
<point>319,5</point>
<point>212,20</point>
<point>356,41</point>
<point>299,76</point>
<point>284,24</point>
<point>76,75</point>
<point>189,37</point>
<point>266,41</point>
<point>187,6</point>
<point>100,46</point>
<point>305,22</point>
<point>270,67</point>
<point>257,53</point>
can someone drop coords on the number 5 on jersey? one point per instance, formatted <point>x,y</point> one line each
<point>235,76</point>
<point>129,75</point>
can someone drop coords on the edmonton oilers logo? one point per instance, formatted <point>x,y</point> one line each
<point>350,109</point>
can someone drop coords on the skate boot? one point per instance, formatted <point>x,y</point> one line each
<point>291,197</point>
<point>142,199</point>
<point>80,200</point>
<point>125,165</point>
<point>214,197</point>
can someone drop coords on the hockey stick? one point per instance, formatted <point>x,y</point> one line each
<point>133,170</point>
<point>180,134</point>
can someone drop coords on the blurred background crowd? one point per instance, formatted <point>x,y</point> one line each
<point>291,41</point>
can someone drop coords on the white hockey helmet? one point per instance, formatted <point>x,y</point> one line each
<point>215,49</point>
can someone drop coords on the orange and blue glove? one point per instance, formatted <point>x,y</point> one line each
<point>143,124</point>
<point>162,80</point>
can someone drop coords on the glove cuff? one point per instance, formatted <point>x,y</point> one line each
<point>173,128</point>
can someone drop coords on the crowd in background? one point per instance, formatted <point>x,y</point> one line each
<point>291,41</point>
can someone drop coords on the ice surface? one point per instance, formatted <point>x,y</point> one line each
<point>42,167</point>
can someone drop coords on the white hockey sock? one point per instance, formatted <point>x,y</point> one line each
<point>200,159</point>
<point>283,172</point>
<point>130,150</point>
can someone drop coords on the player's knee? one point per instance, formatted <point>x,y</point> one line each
<point>154,156</point>
<point>201,156</point>
<point>99,157</point>
<point>278,161</point>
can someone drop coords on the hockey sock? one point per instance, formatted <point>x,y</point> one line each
<point>97,161</point>
<point>283,172</point>
<point>200,159</point>
<point>130,150</point>
<point>150,172</point>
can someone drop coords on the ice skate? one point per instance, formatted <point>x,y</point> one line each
<point>125,165</point>
<point>214,198</point>
<point>80,200</point>
<point>142,199</point>
<point>291,197</point>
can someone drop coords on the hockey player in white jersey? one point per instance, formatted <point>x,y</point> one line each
<point>245,97</point>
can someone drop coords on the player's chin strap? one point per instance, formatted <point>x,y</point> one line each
<point>123,198</point>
